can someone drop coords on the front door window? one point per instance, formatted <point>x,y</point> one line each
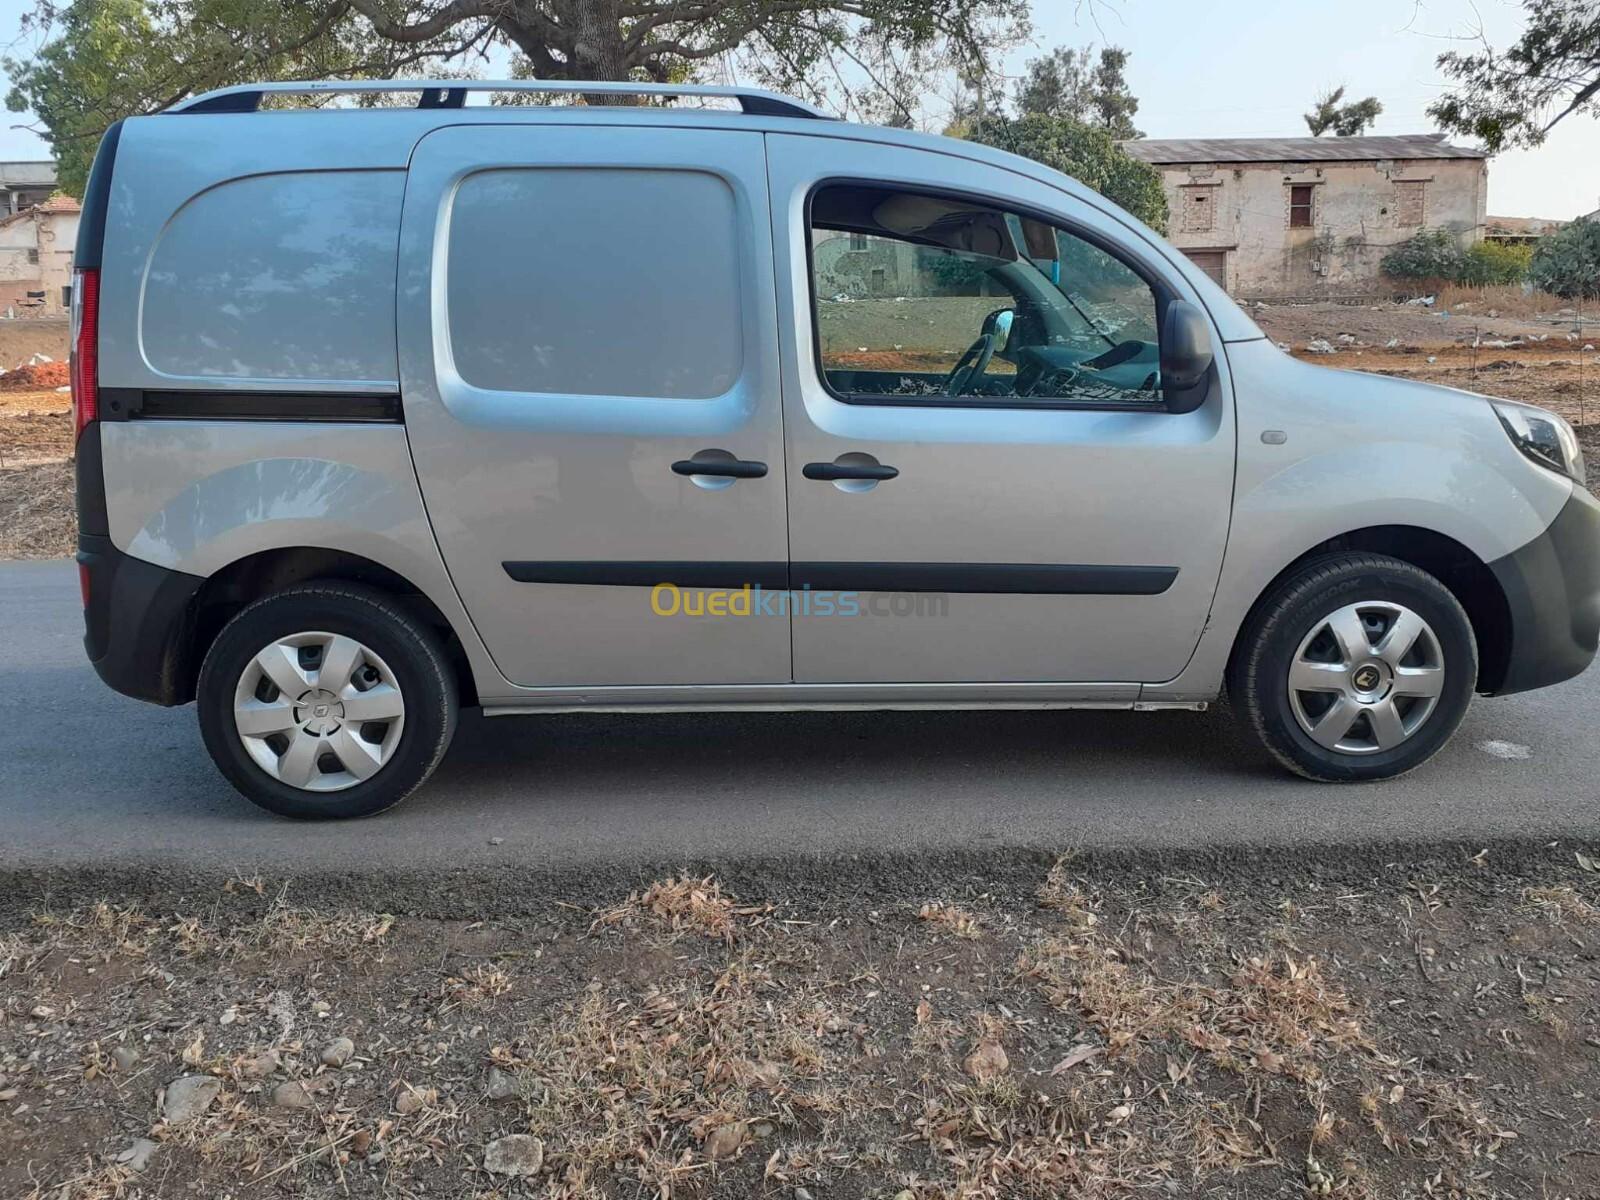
<point>946,301</point>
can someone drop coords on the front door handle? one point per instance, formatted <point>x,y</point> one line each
<point>830,472</point>
<point>726,468</point>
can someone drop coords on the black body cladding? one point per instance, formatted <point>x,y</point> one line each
<point>1552,587</point>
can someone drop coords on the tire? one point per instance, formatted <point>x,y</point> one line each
<point>1312,623</point>
<point>397,673</point>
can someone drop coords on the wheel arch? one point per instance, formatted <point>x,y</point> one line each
<point>235,585</point>
<point>1467,577</point>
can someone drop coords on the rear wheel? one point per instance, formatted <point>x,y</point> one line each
<point>1356,667</point>
<point>326,700</point>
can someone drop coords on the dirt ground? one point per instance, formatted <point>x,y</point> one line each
<point>22,338</point>
<point>1417,326</point>
<point>1268,1032</point>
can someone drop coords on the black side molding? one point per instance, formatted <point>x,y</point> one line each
<point>1038,579</point>
<point>137,404</point>
<point>635,573</point>
<point>1026,579</point>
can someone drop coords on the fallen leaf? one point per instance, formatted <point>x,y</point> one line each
<point>987,1062</point>
<point>1270,1061</point>
<point>724,1141</point>
<point>1080,1053</point>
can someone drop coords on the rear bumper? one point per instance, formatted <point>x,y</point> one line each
<point>137,622</point>
<point>1552,588</point>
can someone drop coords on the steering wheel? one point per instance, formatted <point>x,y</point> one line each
<point>972,364</point>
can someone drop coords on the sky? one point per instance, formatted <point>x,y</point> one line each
<point>1230,68</point>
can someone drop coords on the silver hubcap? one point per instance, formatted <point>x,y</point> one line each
<point>319,711</point>
<point>1366,678</point>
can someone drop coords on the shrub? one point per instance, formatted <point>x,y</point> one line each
<point>1493,264</point>
<point>1091,156</point>
<point>1427,254</point>
<point>1433,257</point>
<point>1567,262</point>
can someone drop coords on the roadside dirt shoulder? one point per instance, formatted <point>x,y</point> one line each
<point>1263,1030</point>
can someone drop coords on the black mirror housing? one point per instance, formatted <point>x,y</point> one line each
<point>1185,356</point>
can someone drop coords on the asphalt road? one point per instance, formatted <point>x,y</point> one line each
<point>92,780</point>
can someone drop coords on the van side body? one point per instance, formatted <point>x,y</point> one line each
<point>472,358</point>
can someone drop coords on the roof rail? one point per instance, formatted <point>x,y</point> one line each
<point>452,93</point>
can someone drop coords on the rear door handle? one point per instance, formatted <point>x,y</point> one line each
<point>830,471</point>
<point>730,468</point>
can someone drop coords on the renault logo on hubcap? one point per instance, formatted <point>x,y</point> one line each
<point>1366,678</point>
<point>322,710</point>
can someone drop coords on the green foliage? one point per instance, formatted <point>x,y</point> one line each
<point>107,59</point>
<point>1427,254</point>
<point>104,59</point>
<point>1072,83</point>
<point>1434,255</point>
<point>78,78</point>
<point>1091,156</point>
<point>1344,120</point>
<point>1567,262</point>
<point>1492,264</point>
<point>1515,98</point>
<point>957,274</point>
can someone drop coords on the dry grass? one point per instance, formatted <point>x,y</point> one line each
<point>952,919</point>
<point>1561,902</point>
<point>1507,300</point>
<point>1099,1042</point>
<point>683,905</point>
<point>36,514</point>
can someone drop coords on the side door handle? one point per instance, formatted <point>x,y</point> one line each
<point>830,472</point>
<point>726,468</point>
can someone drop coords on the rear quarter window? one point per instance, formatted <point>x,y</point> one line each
<point>599,282</point>
<point>280,277</point>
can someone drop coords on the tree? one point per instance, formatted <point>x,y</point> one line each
<point>1567,262</point>
<point>1345,120</point>
<point>1078,85</point>
<point>1515,98</point>
<point>1090,156</point>
<point>105,59</point>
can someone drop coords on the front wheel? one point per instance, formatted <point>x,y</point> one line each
<point>326,700</point>
<point>1356,667</point>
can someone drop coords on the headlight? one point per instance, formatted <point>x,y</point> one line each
<point>1543,437</point>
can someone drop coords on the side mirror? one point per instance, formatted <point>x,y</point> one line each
<point>998,326</point>
<point>1185,356</point>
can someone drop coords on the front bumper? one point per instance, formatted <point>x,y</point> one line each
<point>1552,588</point>
<point>137,622</point>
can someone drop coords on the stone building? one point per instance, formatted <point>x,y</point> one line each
<point>1282,218</point>
<point>25,183</point>
<point>36,247</point>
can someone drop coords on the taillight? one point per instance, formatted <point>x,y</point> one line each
<point>84,370</point>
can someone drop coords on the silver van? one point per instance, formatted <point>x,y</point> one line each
<point>391,408</point>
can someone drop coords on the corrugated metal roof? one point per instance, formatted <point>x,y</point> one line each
<point>1306,149</point>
